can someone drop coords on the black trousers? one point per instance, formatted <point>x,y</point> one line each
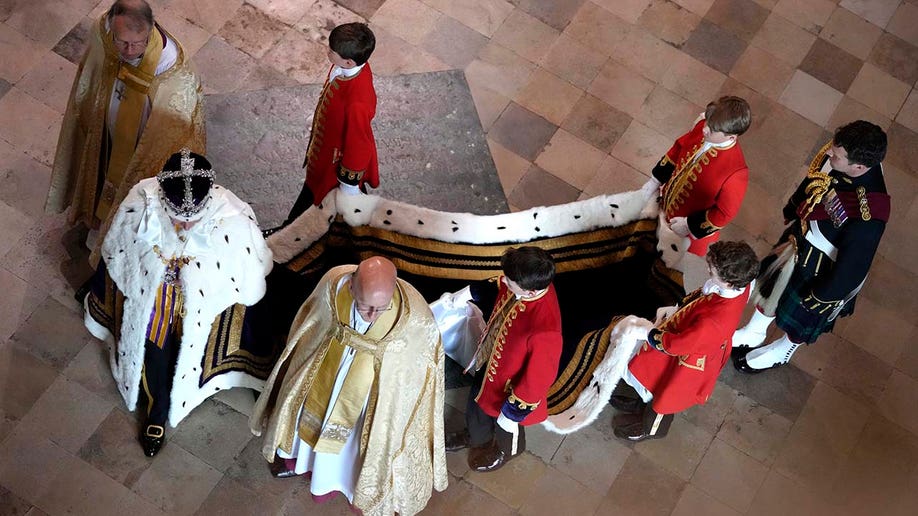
<point>156,380</point>
<point>484,428</point>
<point>652,423</point>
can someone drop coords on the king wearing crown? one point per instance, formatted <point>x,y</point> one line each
<point>182,262</point>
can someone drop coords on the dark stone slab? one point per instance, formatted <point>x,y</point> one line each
<point>432,151</point>
<point>714,46</point>
<point>4,87</point>
<point>831,65</point>
<point>73,45</point>
<point>784,390</point>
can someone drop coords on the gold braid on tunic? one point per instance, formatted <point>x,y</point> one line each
<point>818,183</point>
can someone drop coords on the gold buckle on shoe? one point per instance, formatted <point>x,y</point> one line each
<point>154,431</point>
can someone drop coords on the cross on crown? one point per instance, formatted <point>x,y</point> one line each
<point>186,172</point>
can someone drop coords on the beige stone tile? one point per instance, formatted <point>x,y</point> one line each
<point>699,7</point>
<point>570,159</point>
<point>207,14</point>
<point>885,286</point>
<point>691,79</point>
<point>114,450</point>
<point>25,379</point>
<point>694,502</point>
<point>485,16</point>
<point>540,188</point>
<point>642,487</point>
<point>222,67</point>
<point>781,495</point>
<point>214,433</point>
<point>897,246</point>
<point>500,70</point>
<point>613,176</point>
<point>66,414</point>
<point>300,58</point>
<point>549,96</point>
<point>757,202</point>
<point>510,169</point>
<point>44,22</point>
<point>511,483</point>
<point>19,302</point>
<point>755,430</point>
<point>710,415</point>
<point>908,361</point>
<point>857,373</point>
<point>90,368</point>
<point>898,401</point>
<point>233,497</point>
<point>14,225</point>
<point>729,475</point>
<point>811,98</point>
<point>680,451</point>
<point>876,329</point>
<point>20,53</point>
<point>592,456</point>
<point>668,113</point>
<point>904,23</point>
<point>621,88</point>
<point>762,72</point>
<point>542,443</point>
<point>35,122</point>
<point>54,333</point>
<point>51,82</point>
<point>251,469</point>
<point>640,146</point>
<point>557,493</point>
<point>573,61</point>
<point>823,436</point>
<point>597,28</point>
<point>410,20</point>
<point>810,15</point>
<point>525,35</point>
<point>287,11</point>
<point>628,10</point>
<point>815,360</point>
<point>25,184</point>
<point>252,31</point>
<point>240,399</point>
<point>849,110</point>
<point>908,115</point>
<point>850,32</point>
<point>877,12</point>
<point>176,481</point>
<point>488,103</point>
<point>453,43</point>
<point>597,122</point>
<point>648,55</point>
<point>462,498</point>
<point>188,34</point>
<point>879,90</point>
<point>323,16</point>
<point>28,463</point>
<point>668,21</point>
<point>780,37</point>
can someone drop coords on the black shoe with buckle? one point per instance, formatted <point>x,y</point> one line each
<point>456,441</point>
<point>152,439</point>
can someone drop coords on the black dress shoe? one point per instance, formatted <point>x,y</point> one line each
<point>486,458</point>
<point>280,469</point>
<point>152,439</point>
<point>82,292</point>
<point>456,441</point>
<point>626,404</point>
<point>633,432</point>
<point>739,361</point>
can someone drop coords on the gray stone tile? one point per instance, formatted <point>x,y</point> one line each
<point>23,380</point>
<point>539,188</point>
<point>680,451</point>
<point>250,469</point>
<point>4,87</point>
<point>896,57</point>
<point>857,373</point>
<point>454,43</point>
<point>710,416</point>
<point>714,46</point>
<point>463,498</point>
<point>597,122</point>
<point>831,65</point>
<point>233,497</point>
<point>66,414</point>
<point>741,17</point>
<point>755,430</point>
<point>592,456</point>
<point>73,45</point>
<point>552,12</point>
<point>11,504</point>
<point>53,333</point>
<point>114,449</point>
<point>522,131</point>
<point>25,180</point>
<point>783,390</point>
<point>19,301</point>
<point>252,31</point>
<point>214,433</point>
<point>365,8</point>
<point>659,489</point>
<point>90,368</point>
<point>177,481</point>
<point>28,463</point>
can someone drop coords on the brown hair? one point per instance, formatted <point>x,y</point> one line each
<point>729,115</point>
<point>530,267</point>
<point>139,14</point>
<point>735,262</point>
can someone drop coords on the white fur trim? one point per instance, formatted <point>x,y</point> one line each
<point>230,270</point>
<point>625,341</point>
<point>523,226</point>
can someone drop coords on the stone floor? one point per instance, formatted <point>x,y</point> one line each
<point>609,82</point>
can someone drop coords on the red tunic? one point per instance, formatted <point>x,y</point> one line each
<point>341,143</point>
<point>709,190</point>
<point>696,342</point>
<point>524,359</point>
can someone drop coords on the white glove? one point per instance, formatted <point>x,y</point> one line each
<point>664,313</point>
<point>507,424</point>
<point>650,189</point>
<point>679,225</point>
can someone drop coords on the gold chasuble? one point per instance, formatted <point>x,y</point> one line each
<point>397,372</point>
<point>94,170</point>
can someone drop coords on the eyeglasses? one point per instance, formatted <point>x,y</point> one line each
<point>371,310</point>
<point>131,45</point>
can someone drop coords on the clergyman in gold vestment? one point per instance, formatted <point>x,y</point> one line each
<point>135,101</point>
<point>356,398</point>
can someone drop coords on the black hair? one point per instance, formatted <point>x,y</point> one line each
<point>529,267</point>
<point>864,142</point>
<point>353,41</point>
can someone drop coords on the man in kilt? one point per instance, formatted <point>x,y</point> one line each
<point>837,216</point>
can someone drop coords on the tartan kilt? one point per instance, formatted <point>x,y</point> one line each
<point>801,324</point>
